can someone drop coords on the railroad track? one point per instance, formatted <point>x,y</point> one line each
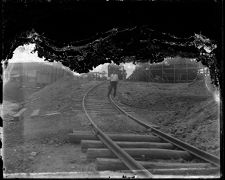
<point>144,155</point>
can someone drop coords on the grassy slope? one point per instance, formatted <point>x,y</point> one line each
<point>63,96</point>
<point>47,135</point>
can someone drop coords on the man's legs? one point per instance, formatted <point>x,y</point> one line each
<point>110,89</point>
<point>114,87</point>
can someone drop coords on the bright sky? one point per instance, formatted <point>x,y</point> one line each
<point>101,68</point>
<point>129,67</point>
<point>23,54</point>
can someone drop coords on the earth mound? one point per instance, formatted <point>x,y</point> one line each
<point>187,111</point>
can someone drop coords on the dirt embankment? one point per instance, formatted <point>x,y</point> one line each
<point>187,111</point>
<point>39,143</point>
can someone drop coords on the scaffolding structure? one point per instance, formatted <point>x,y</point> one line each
<point>170,73</point>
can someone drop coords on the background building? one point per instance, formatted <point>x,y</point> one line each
<point>118,70</point>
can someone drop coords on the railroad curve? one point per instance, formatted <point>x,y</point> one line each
<point>143,155</point>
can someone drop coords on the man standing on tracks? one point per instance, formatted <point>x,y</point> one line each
<point>113,83</point>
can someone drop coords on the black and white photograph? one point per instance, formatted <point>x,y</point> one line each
<point>112,89</point>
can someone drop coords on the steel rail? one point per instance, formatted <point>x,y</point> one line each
<point>187,147</point>
<point>133,165</point>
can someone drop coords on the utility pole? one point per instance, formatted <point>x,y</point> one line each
<point>186,71</point>
<point>174,73</point>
